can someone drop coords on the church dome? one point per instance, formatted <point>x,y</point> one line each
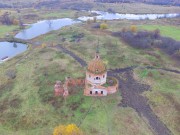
<point>96,66</point>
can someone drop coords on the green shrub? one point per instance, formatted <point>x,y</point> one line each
<point>103,26</point>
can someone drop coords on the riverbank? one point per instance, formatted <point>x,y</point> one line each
<point>17,40</point>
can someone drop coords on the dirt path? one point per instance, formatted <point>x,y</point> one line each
<point>165,69</point>
<point>120,70</point>
<point>131,91</point>
<point>78,59</point>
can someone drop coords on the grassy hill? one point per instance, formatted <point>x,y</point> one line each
<point>27,102</point>
<point>28,105</point>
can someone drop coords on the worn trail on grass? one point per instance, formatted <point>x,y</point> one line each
<point>77,58</point>
<point>131,92</point>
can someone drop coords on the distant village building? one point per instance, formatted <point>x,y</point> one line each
<point>96,83</point>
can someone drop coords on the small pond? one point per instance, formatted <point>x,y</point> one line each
<point>43,27</point>
<point>9,50</point>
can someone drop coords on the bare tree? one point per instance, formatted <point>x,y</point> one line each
<point>49,22</point>
<point>6,19</point>
<point>21,25</point>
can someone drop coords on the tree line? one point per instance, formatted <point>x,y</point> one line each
<point>7,19</point>
<point>156,2</point>
<point>149,40</point>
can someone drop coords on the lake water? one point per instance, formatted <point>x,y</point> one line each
<point>45,26</point>
<point>10,50</point>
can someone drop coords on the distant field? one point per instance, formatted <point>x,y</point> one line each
<point>6,29</point>
<point>158,2</point>
<point>18,1</point>
<point>90,5</point>
<point>169,31</point>
<point>140,8</point>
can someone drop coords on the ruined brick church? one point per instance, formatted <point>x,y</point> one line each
<point>96,83</point>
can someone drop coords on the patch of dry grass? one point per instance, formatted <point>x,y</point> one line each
<point>165,95</point>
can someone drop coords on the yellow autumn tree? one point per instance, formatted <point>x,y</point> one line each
<point>15,22</point>
<point>70,129</point>
<point>43,45</point>
<point>103,26</point>
<point>133,28</point>
<point>59,130</point>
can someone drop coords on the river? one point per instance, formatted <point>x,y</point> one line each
<point>9,50</point>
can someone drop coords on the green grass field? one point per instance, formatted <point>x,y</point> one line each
<point>168,31</point>
<point>61,13</point>
<point>29,107</point>
<point>27,103</point>
<point>7,29</point>
<point>138,8</point>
